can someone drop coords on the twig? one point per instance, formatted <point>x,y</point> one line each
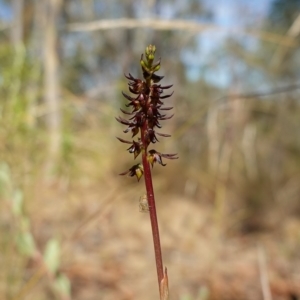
<point>258,94</point>
<point>263,274</point>
<point>293,32</point>
<point>161,24</point>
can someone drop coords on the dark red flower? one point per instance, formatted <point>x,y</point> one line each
<point>146,106</point>
<point>154,156</point>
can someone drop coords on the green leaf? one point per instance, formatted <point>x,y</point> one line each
<point>62,285</point>
<point>24,224</point>
<point>5,179</point>
<point>17,201</point>
<point>25,243</point>
<point>52,255</point>
<point>186,297</point>
<point>203,293</point>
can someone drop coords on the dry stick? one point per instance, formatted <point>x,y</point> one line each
<point>179,24</point>
<point>256,94</point>
<point>33,281</point>
<point>164,287</point>
<point>263,274</point>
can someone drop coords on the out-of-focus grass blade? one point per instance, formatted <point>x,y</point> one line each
<point>52,255</point>
<point>63,285</point>
<point>25,243</point>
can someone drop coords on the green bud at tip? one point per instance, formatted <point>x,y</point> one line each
<point>156,68</point>
<point>150,52</point>
<point>144,66</point>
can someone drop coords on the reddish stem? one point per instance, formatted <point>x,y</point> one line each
<point>152,212</point>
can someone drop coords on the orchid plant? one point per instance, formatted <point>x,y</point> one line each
<point>147,110</point>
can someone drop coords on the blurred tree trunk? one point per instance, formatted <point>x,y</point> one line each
<point>128,40</point>
<point>16,37</point>
<point>17,26</point>
<point>213,139</point>
<point>52,98</point>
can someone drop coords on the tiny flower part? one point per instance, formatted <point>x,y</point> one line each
<point>136,86</point>
<point>154,156</point>
<point>147,68</point>
<point>135,148</point>
<point>133,126</point>
<point>126,112</point>
<point>150,52</point>
<point>133,102</point>
<point>137,170</point>
<point>150,136</point>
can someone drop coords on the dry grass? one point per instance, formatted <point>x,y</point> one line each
<point>208,224</point>
<point>107,248</point>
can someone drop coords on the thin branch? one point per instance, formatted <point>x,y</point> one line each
<point>263,274</point>
<point>258,94</point>
<point>191,26</point>
<point>196,116</point>
<point>293,32</point>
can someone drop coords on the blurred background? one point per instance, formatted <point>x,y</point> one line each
<point>228,209</point>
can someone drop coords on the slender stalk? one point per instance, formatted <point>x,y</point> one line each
<point>153,215</point>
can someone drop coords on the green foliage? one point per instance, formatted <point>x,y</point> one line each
<point>23,237</point>
<point>203,294</point>
<point>25,243</point>
<point>5,180</point>
<point>282,14</point>
<point>17,202</point>
<point>52,255</point>
<point>62,285</point>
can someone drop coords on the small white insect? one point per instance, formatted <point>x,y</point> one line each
<point>143,204</point>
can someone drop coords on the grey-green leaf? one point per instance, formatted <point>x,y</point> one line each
<point>5,179</point>
<point>25,243</point>
<point>63,285</point>
<point>17,201</point>
<point>52,255</point>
